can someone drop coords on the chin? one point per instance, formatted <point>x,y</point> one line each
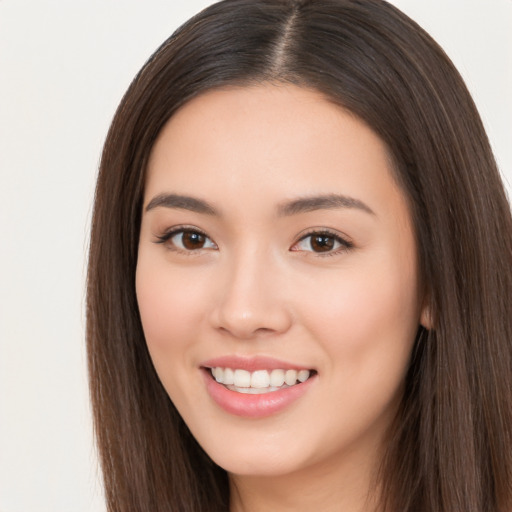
<point>264,454</point>
<point>262,464</point>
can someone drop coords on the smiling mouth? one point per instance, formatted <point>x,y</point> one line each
<point>259,381</point>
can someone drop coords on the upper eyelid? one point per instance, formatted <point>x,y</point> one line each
<point>324,231</point>
<point>170,232</point>
<point>345,241</point>
<point>177,229</point>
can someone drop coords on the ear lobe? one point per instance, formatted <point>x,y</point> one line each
<point>426,316</point>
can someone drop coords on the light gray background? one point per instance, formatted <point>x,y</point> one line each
<point>63,69</point>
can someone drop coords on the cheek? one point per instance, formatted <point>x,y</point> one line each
<point>366,325</point>
<point>170,305</point>
<point>367,317</point>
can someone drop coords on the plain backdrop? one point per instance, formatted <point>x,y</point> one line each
<point>63,69</point>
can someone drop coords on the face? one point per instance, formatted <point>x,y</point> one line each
<point>276,253</point>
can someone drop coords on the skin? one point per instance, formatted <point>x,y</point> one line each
<point>257,286</point>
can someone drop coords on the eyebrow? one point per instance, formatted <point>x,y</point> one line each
<point>182,203</point>
<point>322,202</point>
<point>289,208</point>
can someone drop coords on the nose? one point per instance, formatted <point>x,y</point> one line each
<point>252,298</point>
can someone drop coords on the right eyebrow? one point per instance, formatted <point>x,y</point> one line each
<point>322,202</point>
<point>182,203</point>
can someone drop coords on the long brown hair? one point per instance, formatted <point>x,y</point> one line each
<point>450,448</point>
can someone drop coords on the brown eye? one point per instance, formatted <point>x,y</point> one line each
<point>187,240</point>
<point>322,243</point>
<point>192,240</point>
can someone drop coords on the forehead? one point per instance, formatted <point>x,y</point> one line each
<point>280,139</point>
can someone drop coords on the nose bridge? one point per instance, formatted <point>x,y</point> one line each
<point>251,301</point>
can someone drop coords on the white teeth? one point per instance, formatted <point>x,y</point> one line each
<point>290,377</point>
<point>242,379</point>
<point>277,378</point>
<point>302,375</point>
<point>252,391</point>
<point>229,377</point>
<point>259,381</point>
<point>218,374</point>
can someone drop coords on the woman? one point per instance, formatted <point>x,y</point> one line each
<point>300,272</point>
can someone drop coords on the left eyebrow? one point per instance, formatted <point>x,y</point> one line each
<point>322,202</point>
<point>181,202</point>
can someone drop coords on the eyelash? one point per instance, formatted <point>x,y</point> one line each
<point>169,234</point>
<point>344,245</point>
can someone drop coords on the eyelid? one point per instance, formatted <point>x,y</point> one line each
<point>344,241</point>
<point>169,233</point>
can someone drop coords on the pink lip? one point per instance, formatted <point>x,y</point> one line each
<point>251,364</point>
<point>254,406</point>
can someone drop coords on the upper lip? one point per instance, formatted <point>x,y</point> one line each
<point>252,363</point>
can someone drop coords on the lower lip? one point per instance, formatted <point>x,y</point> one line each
<point>254,406</point>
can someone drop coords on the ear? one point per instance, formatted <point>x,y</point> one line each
<point>426,320</point>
